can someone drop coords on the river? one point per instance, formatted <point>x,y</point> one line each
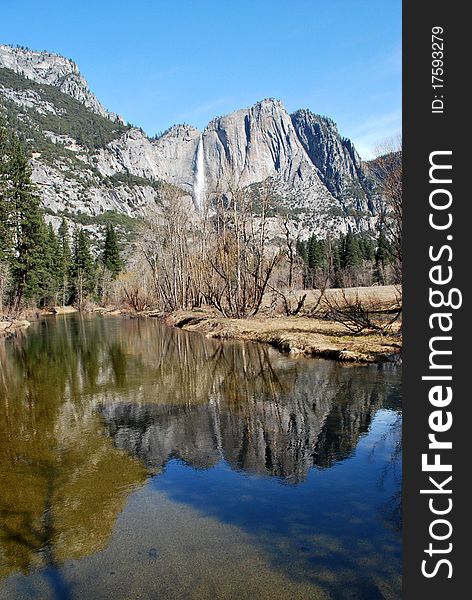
<point>140,461</point>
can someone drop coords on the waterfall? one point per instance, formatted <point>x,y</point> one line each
<point>199,184</point>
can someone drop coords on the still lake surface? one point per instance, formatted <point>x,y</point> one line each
<point>138,461</point>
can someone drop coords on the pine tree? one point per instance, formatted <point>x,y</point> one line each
<point>312,251</point>
<point>320,254</point>
<point>111,254</point>
<point>27,263</point>
<point>52,281</point>
<point>367,248</point>
<point>64,265</point>
<point>302,250</point>
<point>83,273</point>
<point>351,257</point>
<point>337,248</point>
<point>5,233</point>
<point>4,207</point>
<point>381,258</point>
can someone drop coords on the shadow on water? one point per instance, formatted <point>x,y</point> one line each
<point>302,454</point>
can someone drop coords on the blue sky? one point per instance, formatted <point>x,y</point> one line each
<point>159,62</point>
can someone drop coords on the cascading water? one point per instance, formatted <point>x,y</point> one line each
<point>199,183</point>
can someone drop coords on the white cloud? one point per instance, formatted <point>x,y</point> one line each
<point>367,136</point>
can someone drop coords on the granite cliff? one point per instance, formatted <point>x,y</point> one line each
<point>88,163</point>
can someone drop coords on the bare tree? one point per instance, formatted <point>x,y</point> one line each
<point>387,169</point>
<point>356,314</point>
<point>239,255</point>
<point>169,243</point>
<point>291,236</point>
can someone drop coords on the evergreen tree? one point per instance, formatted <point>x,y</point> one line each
<point>4,207</point>
<point>316,253</point>
<point>367,247</point>
<point>111,254</point>
<point>311,251</point>
<point>352,256</point>
<point>64,263</point>
<point>320,255</point>
<point>52,282</point>
<point>337,249</point>
<point>27,263</point>
<point>83,274</point>
<point>381,258</point>
<point>302,250</point>
<point>5,233</point>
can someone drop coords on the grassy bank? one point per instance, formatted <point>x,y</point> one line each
<point>306,335</point>
<point>9,327</point>
<point>296,335</point>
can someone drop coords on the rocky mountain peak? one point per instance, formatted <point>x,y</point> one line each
<point>252,144</point>
<point>42,67</point>
<point>175,151</point>
<point>179,131</point>
<point>52,69</point>
<point>269,105</point>
<point>89,165</point>
<point>335,157</point>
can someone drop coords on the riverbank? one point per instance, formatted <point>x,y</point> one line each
<point>312,335</point>
<point>10,327</point>
<point>301,336</point>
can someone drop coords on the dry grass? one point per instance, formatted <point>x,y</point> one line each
<point>304,335</point>
<point>10,327</point>
<point>384,297</point>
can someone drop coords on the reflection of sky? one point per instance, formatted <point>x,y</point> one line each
<point>337,515</point>
<point>191,532</point>
<point>195,532</point>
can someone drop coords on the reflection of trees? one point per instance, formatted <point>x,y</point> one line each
<point>62,482</point>
<point>244,403</point>
<point>160,394</point>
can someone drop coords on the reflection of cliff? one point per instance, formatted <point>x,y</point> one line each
<point>282,434</point>
<point>81,398</point>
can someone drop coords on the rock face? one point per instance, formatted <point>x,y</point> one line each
<point>339,166</point>
<point>131,153</point>
<point>86,161</point>
<point>52,69</point>
<point>310,170</point>
<point>176,156</point>
<point>251,145</point>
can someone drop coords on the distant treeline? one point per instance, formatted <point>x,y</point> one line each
<point>348,260</point>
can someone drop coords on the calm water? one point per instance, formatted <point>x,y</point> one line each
<point>138,461</point>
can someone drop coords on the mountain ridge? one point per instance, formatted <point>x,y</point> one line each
<point>88,161</point>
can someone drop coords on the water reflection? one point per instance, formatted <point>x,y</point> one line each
<point>63,483</point>
<point>90,407</point>
<point>282,432</point>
